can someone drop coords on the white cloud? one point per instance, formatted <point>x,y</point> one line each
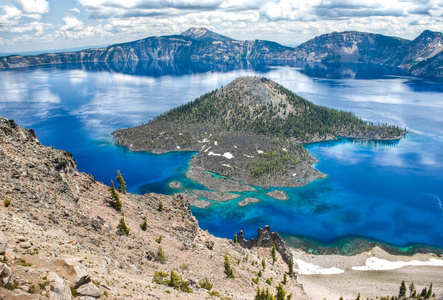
<point>34,6</point>
<point>75,10</point>
<point>72,23</point>
<point>38,27</point>
<point>11,14</point>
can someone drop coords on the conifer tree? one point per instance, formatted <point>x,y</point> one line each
<point>235,238</point>
<point>291,268</point>
<point>144,225</point>
<point>124,229</point>
<point>117,204</point>
<point>402,291</point>
<point>228,269</point>
<point>274,254</point>
<point>411,289</point>
<point>281,294</point>
<point>121,183</point>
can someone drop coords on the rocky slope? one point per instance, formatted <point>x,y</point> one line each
<point>420,57</point>
<point>351,46</point>
<point>59,237</point>
<point>250,131</point>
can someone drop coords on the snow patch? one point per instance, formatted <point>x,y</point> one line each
<point>213,154</point>
<point>260,152</point>
<point>228,155</point>
<point>377,264</point>
<point>178,147</point>
<point>305,268</point>
<point>284,149</point>
<point>215,143</point>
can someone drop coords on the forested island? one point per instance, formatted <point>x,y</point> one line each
<point>250,132</point>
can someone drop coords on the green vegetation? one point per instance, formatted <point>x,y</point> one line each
<point>263,264</point>
<point>160,205</point>
<point>228,270</point>
<point>266,295</point>
<point>124,229</point>
<point>6,202</point>
<point>235,238</point>
<point>291,268</point>
<point>159,239</point>
<point>144,225</point>
<point>303,120</point>
<point>121,183</point>
<point>274,254</point>
<point>205,284</point>
<point>174,281</point>
<point>117,203</point>
<point>160,256</point>
<point>426,293</point>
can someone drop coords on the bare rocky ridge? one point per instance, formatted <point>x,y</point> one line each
<point>61,237</point>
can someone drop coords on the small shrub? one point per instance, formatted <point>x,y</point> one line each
<point>160,256</point>
<point>160,206</point>
<point>73,291</point>
<point>144,225</point>
<point>228,269</point>
<point>124,229</point>
<point>263,263</point>
<point>7,202</point>
<point>214,293</point>
<point>205,284</point>
<point>269,281</point>
<point>159,239</point>
<point>160,277</point>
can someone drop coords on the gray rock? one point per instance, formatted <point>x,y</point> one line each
<point>89,290</point>
<point>248,200</point>
<point>3,242</point>
<point>6,275</point>
<point>25,245</point>
<point>61,290</point>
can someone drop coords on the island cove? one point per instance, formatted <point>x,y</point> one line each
<point>248,136</point>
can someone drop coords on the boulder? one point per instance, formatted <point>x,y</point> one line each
<point>72,269</point>
<point>3,242</point>
<point>89,290</point>
<point>6,275</point>
<point>60,290</point>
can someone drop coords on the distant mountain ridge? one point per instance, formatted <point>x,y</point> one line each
<point>420,57</point>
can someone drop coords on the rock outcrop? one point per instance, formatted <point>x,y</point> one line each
<point>3,242</point>
<point>266,239</point>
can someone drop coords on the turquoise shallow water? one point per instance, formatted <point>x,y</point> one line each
<point>388,192</point>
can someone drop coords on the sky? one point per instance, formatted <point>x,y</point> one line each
<point>38,25</point>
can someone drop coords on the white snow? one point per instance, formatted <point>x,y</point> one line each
<point>228,155</point>
<point>205,140</point>
<point>284,149</point>
<point>226,165</point>
<point>295,174</point>
<point>248,156</point>
<point>213,154</point>
<point>208,148</point>
<point>374,263</point>
<point>178,147</point>
<point>260,152</point>
<point>215,143</point>
<point>305,268</point>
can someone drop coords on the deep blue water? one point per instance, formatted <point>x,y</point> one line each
<point>388,192</point>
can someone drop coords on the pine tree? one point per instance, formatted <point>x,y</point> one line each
<point>429,294</point>
<point>274,254</point>
<point>235,238</point>
<point>402,291</point>
<point>228,269</point>
<point>144,225</point>
<point>121,183</point>
<point>263,264</point>
<point>124,229</point>
<point>291,268</point>
<point>281,294</point>
<point>411,289</point>
<point>117,204</point>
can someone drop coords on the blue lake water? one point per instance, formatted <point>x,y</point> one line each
<point>389,192</point>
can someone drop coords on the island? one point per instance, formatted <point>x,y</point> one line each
<point>250,133</point>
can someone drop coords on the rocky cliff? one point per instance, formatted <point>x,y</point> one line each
<point>60,237</point>
<point>421,57</point>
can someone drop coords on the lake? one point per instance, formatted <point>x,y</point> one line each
<point>387,193</point>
